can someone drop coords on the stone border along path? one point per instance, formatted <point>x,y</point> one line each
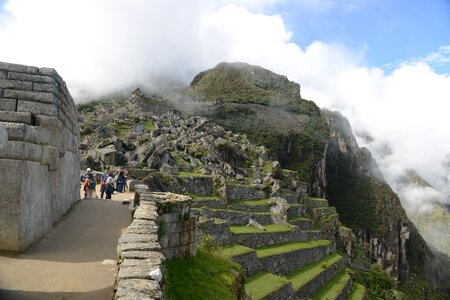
<point>76,260</point>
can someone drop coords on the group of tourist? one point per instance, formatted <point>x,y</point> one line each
<point>109,183</point>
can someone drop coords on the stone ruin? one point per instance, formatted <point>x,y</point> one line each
<point>39,153</point>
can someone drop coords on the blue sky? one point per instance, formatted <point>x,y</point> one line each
<point>387,30</point>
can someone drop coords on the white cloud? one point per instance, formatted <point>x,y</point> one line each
<point>101,46</point>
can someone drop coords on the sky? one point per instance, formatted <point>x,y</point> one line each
<point>384,64</point>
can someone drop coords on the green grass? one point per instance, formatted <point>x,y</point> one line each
<point>300,277</point>
<point>298,219</point>
<point>357,293</point>
<point>149,125</point>
<point>120,129</point>
<point>269,228</point>
<point>263,284</point>
<point>250,202</point>
<point>234,250</point>
<point>333,287</point>
<point>204,276</point>
<point>198,198</point>
<point>240,211</point>
<point>193,173</point>
<point>289,247</point>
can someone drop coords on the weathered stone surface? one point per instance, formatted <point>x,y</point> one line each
<point>138,289</point>
<point>255,240</point>
<point>136,238</point>
<point>244,192</point>
<point>18,68</point>
<point>8,104</point>
<point>37,108</point>
<point>234,217</point>
<point>30,77</point>
<point>15,117</point>
<point>198,185</point>
<point>3,137</point>
<point>290,261</point>
<point>285,293</point>
<point>249,262</point>
<point>145,246</point>
<point>140,254</point>
<point>31,96</point>
<point>16,84</point>
<point>43,158</point>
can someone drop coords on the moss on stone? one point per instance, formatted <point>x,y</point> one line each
<point>358,292</point>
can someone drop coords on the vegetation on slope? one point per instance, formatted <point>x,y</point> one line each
<point>204,276</point>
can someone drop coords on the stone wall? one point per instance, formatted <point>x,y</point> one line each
<point>39,156</point>
<point>162,228</point>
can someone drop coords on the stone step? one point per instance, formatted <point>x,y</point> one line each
<point>234,217</point>
<point>267,286</point>
<point>301,222</point>
<point>315,202</point>
<point>322,211</point>
<point>274,234</point>
<point>218,229</point>
<point>249,205</point>
<point>200,185</point>
<point>337,288</point>
<point>328,220</point>
<point>313,234</point>
<point>209,201</point>
<point>244,256</point>
<point>290,196</point>
<point>295,210</point>
<point>358,292</point>
<point>308,280</point>
<point>285,258</point>
<point>244,192</point>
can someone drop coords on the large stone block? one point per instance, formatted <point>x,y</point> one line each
<point>31,77</point>
<point>22,151</point>
<point>18,68</point>
<point>8,104</point>
<point>37,108</point>
<point>3,137</point>
<point>30,95</point>
<point>27,133</point>
<point>24,215</point>
<point>3,74</point>
<point>16,84</point>
<point>16,117</point>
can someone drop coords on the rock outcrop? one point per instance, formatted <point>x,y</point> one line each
<point>39,156</point>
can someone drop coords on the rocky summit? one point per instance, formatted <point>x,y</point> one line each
<point>280,185</point>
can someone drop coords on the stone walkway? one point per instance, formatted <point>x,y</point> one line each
<point>76,260</point>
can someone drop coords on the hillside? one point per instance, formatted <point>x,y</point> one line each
<point>266,110</point>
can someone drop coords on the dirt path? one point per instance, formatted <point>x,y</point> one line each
<point>76,260</point>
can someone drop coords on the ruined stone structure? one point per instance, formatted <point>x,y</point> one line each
<point>39,156</point>
<point>162,228</point>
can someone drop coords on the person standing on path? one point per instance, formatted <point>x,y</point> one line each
<point>85,177</point>
<point>103,182</point>
<point>90,184</point>
<point>109,185</point>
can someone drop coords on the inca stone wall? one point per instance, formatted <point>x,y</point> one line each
<point>39,153</point>
<point>162,228</point>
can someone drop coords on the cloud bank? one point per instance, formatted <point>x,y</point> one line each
<point>99,47</point>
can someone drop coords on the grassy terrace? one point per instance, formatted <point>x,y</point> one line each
<point>269,228</point>
<point>289,247</point>
<point>193,173</point>
<point>250,202</point>
<point>237,211</point>
<point>301,277</point>
<point>298,219</point>
<point>263,284</point>
<point>333,287</point>
<point>234,250</point>
<point>357,293</point>
<point>199,198</point>
<point>204,276</point>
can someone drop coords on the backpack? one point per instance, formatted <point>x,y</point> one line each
<point>91,184</point>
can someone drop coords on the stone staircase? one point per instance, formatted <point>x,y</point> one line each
<point>281,261</point>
